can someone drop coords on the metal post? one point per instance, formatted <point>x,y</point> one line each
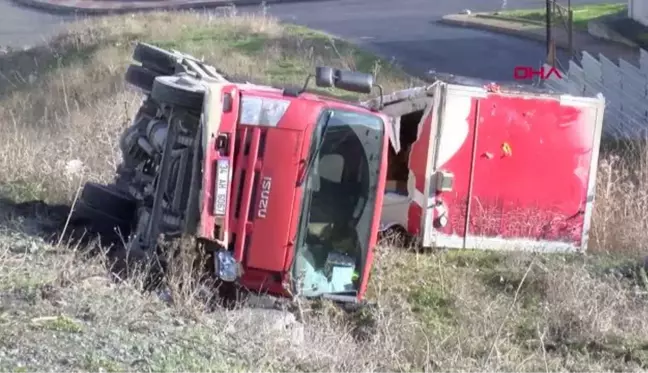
<point>570,31</point>
<point>548,20</point>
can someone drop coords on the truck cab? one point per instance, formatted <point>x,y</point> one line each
<point>292,187</point>
<point>281,187</point>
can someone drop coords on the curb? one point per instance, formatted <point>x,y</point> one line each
<point>452,21</point>
<point>508,19</point>
<point>51,6</point>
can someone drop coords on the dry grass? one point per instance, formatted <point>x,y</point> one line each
<point>67,100</point>
<point>442,311</point>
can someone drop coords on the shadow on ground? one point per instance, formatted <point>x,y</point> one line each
<point>628,28</point>
<point>49,223</point>
<point>39,219</point>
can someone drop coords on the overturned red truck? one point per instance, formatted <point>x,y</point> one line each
<point>289,190</point>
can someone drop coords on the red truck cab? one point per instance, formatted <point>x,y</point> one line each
<point>292,187</point>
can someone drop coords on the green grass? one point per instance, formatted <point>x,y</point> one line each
<point>582,14</point>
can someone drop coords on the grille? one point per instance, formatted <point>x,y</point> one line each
<point>249,149</point>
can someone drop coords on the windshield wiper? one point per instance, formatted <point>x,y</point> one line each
<point>313,156</point>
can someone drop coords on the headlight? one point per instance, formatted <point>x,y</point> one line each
<point>227,269</point>
<point>262,111</point>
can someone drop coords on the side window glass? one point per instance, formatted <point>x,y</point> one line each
<point>331,167</point>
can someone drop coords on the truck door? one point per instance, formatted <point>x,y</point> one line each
<point>509,171</point>
<point>440,162</point>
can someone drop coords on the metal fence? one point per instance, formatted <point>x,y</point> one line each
<point>624,85</point>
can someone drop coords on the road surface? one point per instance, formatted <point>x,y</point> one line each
<point>405,30</point>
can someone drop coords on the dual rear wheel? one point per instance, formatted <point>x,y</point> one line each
<point>104,210</point>
<point>156,76</point>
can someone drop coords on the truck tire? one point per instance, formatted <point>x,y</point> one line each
<point>155,58</point>
<point>140,77</point>
<point>109,201</point>
<point>97,222</point>
<point>179,90</point>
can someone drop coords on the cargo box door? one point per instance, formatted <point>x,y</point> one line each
<point>512,171</point>
<point>440,167</point>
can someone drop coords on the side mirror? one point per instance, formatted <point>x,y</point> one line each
<point>354,81</point>
<point>324,77</point>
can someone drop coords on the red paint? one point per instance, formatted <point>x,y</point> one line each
<point>532,159</point>
<point>264,245</point>
<point>417,163</point>
<point>529,72</point>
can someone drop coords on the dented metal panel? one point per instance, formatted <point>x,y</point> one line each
<point>518,171</point>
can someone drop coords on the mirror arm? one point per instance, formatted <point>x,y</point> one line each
<point>308,78</point>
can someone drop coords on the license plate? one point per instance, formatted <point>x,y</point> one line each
<point>222,183</point>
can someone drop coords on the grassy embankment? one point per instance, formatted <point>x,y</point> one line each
<point>443,311</point>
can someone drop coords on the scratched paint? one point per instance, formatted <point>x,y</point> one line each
<point>416,181</point>
<point>529,181</point>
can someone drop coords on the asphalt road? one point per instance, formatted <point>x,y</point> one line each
<point>405,30</point>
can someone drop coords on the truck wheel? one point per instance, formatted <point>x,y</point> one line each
<point>180,90</point>
<point>109,201</point>
<point>155,58</point>
<point>96,221</point>
<point>140,77</point>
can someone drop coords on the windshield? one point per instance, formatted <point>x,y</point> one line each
<point>338,203</point>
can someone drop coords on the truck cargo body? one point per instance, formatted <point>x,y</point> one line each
<point>488,169</point>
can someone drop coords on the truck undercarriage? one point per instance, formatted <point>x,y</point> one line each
<point>155,192</point>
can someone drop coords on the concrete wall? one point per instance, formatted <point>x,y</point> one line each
<point>638,10</point>
<point>624,85</point>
